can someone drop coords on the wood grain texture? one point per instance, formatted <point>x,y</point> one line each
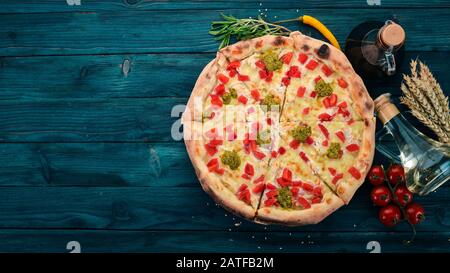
<point>28,6</point>
<point>148,76</point>
<point>101,76</point>
<point>153,31</point>
<point>135,120</point>
<point>96,165</point>
<point>218,241</point>
<point>171,208</point>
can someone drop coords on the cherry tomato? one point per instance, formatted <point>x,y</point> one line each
<point>396,174</point>
<point>376,175</point>
<point>404,196</point>
<point>415,213</point>
<point>390,215</point>
<point>381,196</point>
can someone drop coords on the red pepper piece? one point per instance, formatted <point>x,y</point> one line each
<point>332,171</point>
<point>311,65</point>
<point>307,187</point>
<point>286,58</point>
<point>352,147</point>
<point>342,83</point>
<point>340,135</point>
<point>249,169</point>
<point>326,70</point>
<point>294,144</point>
<point>305,111</point>
<point>258,188</point>
<point>243,78</point>
<point>220,89</point>
<point>287,174</point>
<point>255,94</point>
<point>234,65</point>
<point>302,58</point>
<point>303,156</point>
<point>260,64</point>
<point>242,99</point>
<point>301,91</point>
<point>259,179</point>
<point>303,202</point>
<point>324,130</point>
<point>222,78</point>
<point>286,81</point>
<point>337,177</point>
<point>354,172</point>
<point>216,100</point>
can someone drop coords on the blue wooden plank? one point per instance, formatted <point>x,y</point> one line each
<point>134,120</point>
<point>28,6</point>
<point>101,165</point>
<point>180,208</point>
<point>200,241</point>
<point>149,75</point>
<point>96,165</point>
<point>102,76</point>
<point>187,31</point>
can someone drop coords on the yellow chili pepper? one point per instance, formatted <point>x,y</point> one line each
<point>311,21</point>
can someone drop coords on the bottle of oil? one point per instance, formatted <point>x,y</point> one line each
<point>376,49</point>
<point>426,161</point>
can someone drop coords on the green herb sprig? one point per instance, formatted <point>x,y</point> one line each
<point>244,29</point>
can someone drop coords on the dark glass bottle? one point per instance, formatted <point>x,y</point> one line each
<point>376,49</point>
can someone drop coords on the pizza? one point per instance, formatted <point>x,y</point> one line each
<point>280,129</point>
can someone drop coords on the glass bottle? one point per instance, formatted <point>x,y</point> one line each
<point>375,49</point>
<point>426,161</point>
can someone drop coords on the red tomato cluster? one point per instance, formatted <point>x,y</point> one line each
<point>393,197</point>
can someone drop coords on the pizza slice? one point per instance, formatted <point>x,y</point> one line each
<point>230,162</point>
<point>321,92</point>
<point>342,154</point>
<point>294,195</point>
<point>252,81</point>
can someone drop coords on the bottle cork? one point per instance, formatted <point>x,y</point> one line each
<point>385,109</point>
<point>392,35</point>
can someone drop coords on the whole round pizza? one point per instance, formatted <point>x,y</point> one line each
<point>280,129</point>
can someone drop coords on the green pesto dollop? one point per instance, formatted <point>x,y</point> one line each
<point>323,89</point>
<point>233,93</point>
<point>227,97</point>
<point>231,159</point>
<point>334,150</point>
<point>284,197</point>
<point>271,60</point>
<point>269,101</point>
<point>301,133</point>
<point>263,137</point>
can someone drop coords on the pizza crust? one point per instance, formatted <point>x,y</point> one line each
<point>313,215</point>
<point>364,161</point>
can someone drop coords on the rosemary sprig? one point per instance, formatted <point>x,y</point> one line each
<point>244,29</point>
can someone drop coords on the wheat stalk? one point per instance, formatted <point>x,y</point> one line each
<point>424,96</point>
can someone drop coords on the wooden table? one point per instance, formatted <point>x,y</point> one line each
<point>86,154</point>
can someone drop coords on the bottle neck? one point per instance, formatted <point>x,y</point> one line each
<point>387,111</point>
